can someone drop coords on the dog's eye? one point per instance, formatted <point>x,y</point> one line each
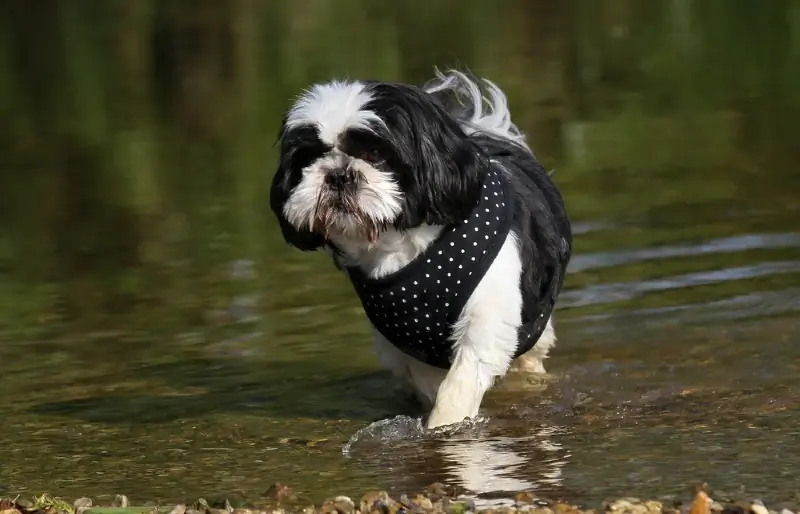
<point>371,155</point>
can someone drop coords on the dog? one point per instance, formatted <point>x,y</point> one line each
<point>453,235</point>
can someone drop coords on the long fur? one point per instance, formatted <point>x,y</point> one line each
<point>421,155</point>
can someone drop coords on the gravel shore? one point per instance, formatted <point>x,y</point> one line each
<point>279,499</point>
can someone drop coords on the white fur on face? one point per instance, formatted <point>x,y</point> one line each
<point>333,108</point>
<point>379,197</point>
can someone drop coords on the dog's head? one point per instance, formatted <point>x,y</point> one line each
<point>358,158</point>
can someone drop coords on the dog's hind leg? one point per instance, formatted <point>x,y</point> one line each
<point>532,361</point>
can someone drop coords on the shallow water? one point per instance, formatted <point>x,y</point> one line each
<point>157,338</point>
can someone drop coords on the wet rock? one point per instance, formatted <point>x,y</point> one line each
<point>422,502</point>
<point>10,511</point>
<point>626,506</point>
<point>338,505</point>
<point>653,506</point>
<point>436,491</point>
<point>376,501</point>
<point>524,498</point>
<point>716,506</point>
<point>121,500</point>
<point>543,510</point>
<point>563,508</point>
<point>82,505</point>
<point>279,492</point>
<point>757,507</point>
<point>217,511</point>
<point>24,504</point>
<point>178,509</point>
<point>786,511</point>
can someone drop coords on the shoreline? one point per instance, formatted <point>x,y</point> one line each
<point>435,499</point>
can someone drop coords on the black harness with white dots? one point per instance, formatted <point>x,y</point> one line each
<point>415,308</point>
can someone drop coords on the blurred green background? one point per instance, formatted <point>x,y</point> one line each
<point>137,137</point>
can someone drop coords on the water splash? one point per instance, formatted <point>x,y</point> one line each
<point>397,428</point>
<point>406,428</point>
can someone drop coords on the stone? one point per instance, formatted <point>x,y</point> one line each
<point>423,502</point>
<point>82,502</point>
<point>344,505</point>
<point>82,505</point>
<point>436,491</point>
<point>178,509</point>
<point>279,492</point>
<point>121,501</point>
<point>524,498</point>
<point>375,501</point>
<point>562,508</point>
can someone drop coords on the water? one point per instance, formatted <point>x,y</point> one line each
<point>158,339</point>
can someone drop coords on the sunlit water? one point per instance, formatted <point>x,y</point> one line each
<point>217,361</point>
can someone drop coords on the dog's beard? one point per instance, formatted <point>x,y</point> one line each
<point>357,213</point>
<point>342,213</point>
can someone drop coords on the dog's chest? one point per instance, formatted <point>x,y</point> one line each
<point>416,307</point>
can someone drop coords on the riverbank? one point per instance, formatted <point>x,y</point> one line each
<point>280,499</point>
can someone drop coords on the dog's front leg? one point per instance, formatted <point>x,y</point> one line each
<point>460,393</point>
<point>485,339</point>
<point>483,354</point>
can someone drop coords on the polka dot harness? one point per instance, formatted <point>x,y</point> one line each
<point>415,308</point>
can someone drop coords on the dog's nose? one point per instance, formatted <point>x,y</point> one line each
<point>340,178</point>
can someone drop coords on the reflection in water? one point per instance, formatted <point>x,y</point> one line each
<point>491,470</point>
<point>159,339</point>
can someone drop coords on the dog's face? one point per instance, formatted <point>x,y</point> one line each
<point>359,158</point>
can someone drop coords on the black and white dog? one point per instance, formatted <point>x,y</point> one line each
<point>454,236</point>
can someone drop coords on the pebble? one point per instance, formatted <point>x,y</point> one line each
<point>280,492</point>
<point>376,501</point>
<point>524,498</point>
<point>434,499</point>
<point>178,509</point>
<point>82,504</point>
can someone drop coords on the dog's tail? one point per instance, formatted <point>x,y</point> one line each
<point>476,111</point>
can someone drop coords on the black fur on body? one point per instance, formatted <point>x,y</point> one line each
<point>542,229</point>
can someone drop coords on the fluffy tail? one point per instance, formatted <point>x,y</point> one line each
<point>475,111</point>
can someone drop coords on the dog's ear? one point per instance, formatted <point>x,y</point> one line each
<point>284,181</point>
<point>442,169</point>
<point>450,172</point>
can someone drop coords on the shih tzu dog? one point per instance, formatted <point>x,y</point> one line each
<point>453,235</point>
